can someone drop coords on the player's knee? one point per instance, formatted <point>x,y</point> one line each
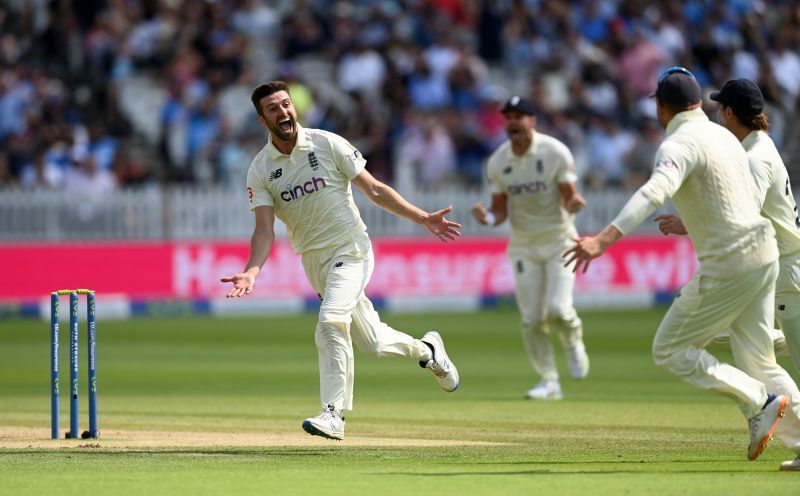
<point>328,332</point>
<point>660,353</point>
<point>676,361</point>
<point>534,326</point>
<point>562,317</point>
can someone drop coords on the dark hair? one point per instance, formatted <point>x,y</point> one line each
<point>758,122</point>
<point>674,109</point>
<point>267,89</point>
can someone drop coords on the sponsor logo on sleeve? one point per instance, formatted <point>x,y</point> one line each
<point>250,194</point>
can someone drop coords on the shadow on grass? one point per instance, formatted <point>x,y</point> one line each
<point>563,472</point>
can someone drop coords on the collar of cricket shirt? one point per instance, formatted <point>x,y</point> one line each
<point>302,143</point>
<point>685,116</point>
<point>530,151</point>
<point>751,139</point>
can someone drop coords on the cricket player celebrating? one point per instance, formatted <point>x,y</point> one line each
<point>702,167</point>
<point>532,179</point>
<point>741,110</point>
<point>303,177</point>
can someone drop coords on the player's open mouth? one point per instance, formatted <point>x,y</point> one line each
<point>286,126</point>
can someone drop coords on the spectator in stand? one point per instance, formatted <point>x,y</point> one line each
<point>118,59</point>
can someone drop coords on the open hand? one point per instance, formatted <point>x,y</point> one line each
<point>586,249</point>
<point>440,227</point>
<point>242,284</point>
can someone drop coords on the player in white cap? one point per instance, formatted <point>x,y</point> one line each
<point>302,176</point>
<point>702,167</point>
<point>741,110</point>
<point>532,178</point>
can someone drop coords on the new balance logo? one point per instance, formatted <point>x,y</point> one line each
<point>507,170</point>
<point>275,174</point>
<point>539,166</point>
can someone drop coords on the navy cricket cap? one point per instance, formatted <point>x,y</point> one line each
<point>678,86</point>
<point>742,95</point>
<point>518,104</point>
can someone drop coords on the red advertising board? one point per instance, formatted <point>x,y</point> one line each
<point>404,266</point>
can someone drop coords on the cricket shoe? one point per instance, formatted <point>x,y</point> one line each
<point>791,465</point>
<point>329,423</point>
<point>578,360</point>
<point>545,390</point>
<point>440,364</point>
<point>762,426</point>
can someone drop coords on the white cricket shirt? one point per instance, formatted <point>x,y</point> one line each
<point>774,190</point>
<point>704,169</point>
<point>310,189</point>
<point>530,182</point>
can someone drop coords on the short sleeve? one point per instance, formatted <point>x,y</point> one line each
<point>347,158</point>
<point>761,170</point>
<point>566,169</point>
<point>257,193</point>
<point>492,176</point>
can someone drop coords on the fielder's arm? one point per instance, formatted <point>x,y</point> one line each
<point>587,248</point>
<point>260,245</point>
<point>390,200</point>
<point>573,201</point>
<point>496,214</point>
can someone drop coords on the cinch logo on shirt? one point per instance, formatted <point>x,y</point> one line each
<point>308,187</point>
<point>531,187</point>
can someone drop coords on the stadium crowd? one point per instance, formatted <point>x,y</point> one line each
<point>98,94</point>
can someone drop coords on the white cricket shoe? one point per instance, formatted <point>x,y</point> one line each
<point>578,360</point>
<point>329,423</point>
<point>762,426</point>
<point>441,366</point>
<point>545,390</point>
<point>791,465</point>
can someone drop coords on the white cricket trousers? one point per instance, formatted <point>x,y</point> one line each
<point>787,305</point>
<point>743,304</point>
<point>346,316</point>
<point>544,297</point>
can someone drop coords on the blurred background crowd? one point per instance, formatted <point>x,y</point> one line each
<point>102,94</point>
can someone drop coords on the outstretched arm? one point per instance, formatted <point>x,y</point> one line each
<point>587,248</point>
<point>390,200</point>
<point>260,246</point>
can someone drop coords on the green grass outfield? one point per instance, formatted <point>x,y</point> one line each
<point>214,406</point>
